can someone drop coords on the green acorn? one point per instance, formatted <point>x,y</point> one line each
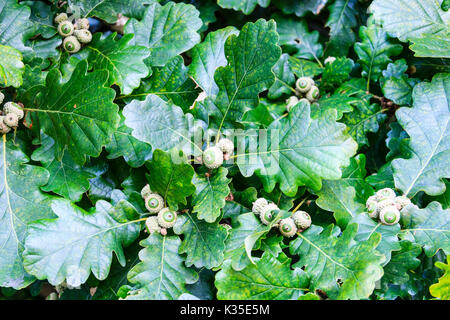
<point>402,201</point>
<point>83,35</point>
<point>145,192</point>
<point>292,101</point>
<point>3,127</point>
<point>226,145</point>
<point>302,219</point>
<point>167,218</point>
<point>11,120</point>
<point>11,107</point>
<point>303,84</point>
<point>213,157</point>
<point>312,94</point>
<point>287,227</point>
<point>2,97</point>
<point>65,28</point>
<point>385,203</point>
<point>152,225</point>
<point>61,17</point>
<point>269,213</point>
<point>371,205</point>
<point>386,193</point>
<point>71,44</point>
<point>259,205</point>
<point>154,203</point>
<point>389,215</point>
<point>82,24</point>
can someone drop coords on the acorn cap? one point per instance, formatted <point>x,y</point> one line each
<point>154,203</point>
<point>213,157</point>
<point>303,84</point>
<point>71,44</point>
<point>287,227</point>
<point>167,218</point>
<point>65,28</point>
<point>259,205</point>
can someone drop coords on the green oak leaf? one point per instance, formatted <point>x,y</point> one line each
<point>365,118</point>
<point>273,244</point>
<point>340,102</point>
<point>210,193</point>
<point>78,242</point>
<point>294,33</point>
<point>304,68</point>
<point>396,85</point>
<point>428,126</point>
<point>327,258</point>
<point>251,56</point>
<point>395,69</point>
<point>429,227</point>
<point>123,144</point>
<point>441,289</point>
<point>246,6</point>
<point>347,196</point>
<point>33,79</point>
<point>402,261</point>
<point>42,16</point>
<point>245,235</point>
<point>411,19</point>
<point>242,202</point>
<point>108,10</point>
<point>11,67</point>
<point>207,57</point>
<point>270,278</point>
<point>341,20</point>
<point>284,79</point>
<point>383,178</point>
<point>161,274</point>
<point>22,202</point>
<point>67,178</point>
<point>430,45</point>
<point>389,243</point>
<point>45,48</point>
<point>301,8</point>
<point>336,73</point>
<point>374,51</point>
<point>78,114</point>
<point>309,296</point>
<point>162,125</point>
<point>17,26</point>
<point>108,288</point>
<point>302,152</point>
<point>170,83</point>
<point>264,114</point>
<point>203,243</point>
<point>166,30</point>
<point>124,62</point>
<point>171,179</point>
<point>207,13</point>
<point>444,198</point>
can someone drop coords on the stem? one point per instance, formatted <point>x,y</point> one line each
<point>300,204</point>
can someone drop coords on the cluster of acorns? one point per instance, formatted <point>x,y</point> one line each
<point>10,116</point>
<point>213,156</point>
<point>386,206</point>
<point>267,212</point>
<point>305,87</point>
<point>154,203</point>
<point>74,34</point>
